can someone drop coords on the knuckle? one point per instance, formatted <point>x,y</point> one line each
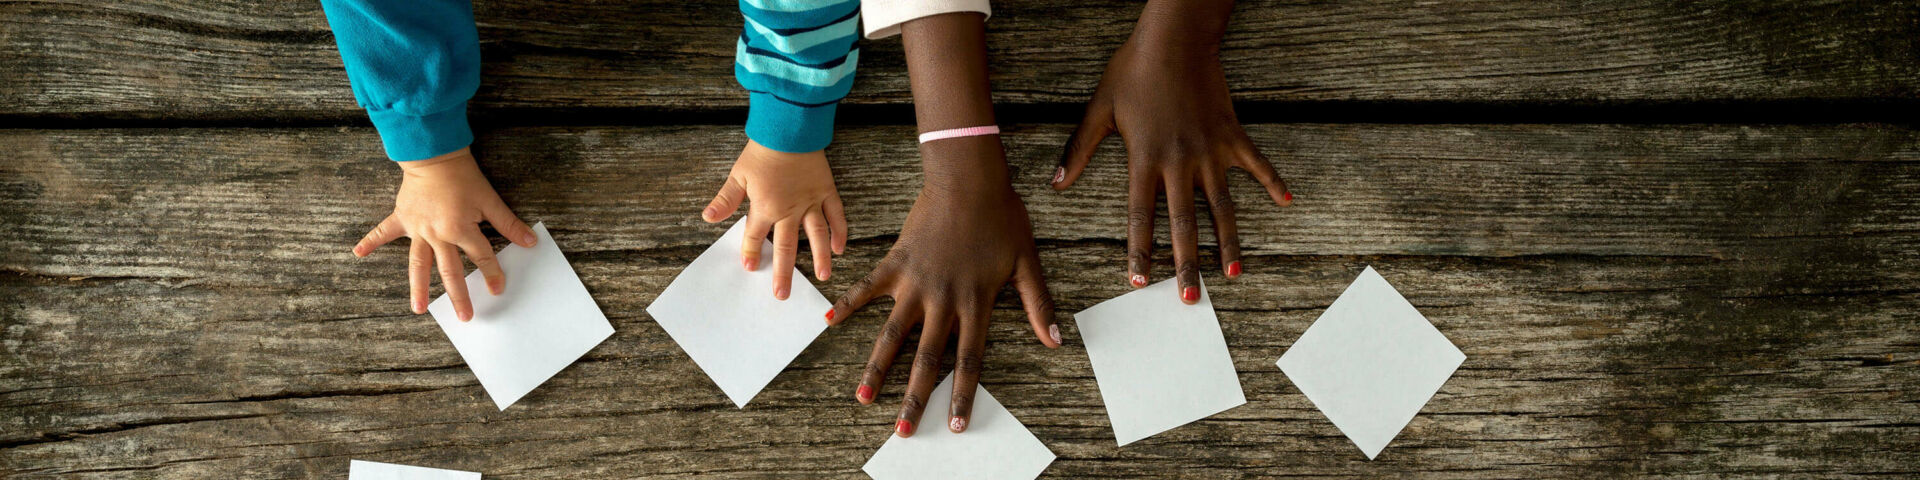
<point>926,363</point>
<point>1138,220</point>
<point>1183,219</point>
<point>1187,272</point>
<point>967,365</point>
<point>1139,260</point>
<point>893,331</point>
<point>913,404</point>
<point>874,373</point>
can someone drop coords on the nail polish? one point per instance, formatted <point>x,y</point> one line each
<point>1288,196</point>
<point>903,427</point>
<point>957,424</point>
<point>1191,294</point>
<point>1054,331</point>
<point>830,318</point>
<point>1233,269</point>
<point>1139,280</point>
<point>1059,174</point>
<point>864,394</point>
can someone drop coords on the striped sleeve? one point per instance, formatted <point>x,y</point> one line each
<point>796,59</point>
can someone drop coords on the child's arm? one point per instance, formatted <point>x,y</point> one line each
<point>796,60</point>
<point>413,65</point>
<point>966,237</point>
<point>1166,95</point>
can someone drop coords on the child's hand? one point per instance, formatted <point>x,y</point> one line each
<point>967,236</point>
<point>789,191</point>
<point>1166,95</point>
<point>440,205</point>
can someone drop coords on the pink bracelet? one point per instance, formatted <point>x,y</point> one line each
<point>959,132</point>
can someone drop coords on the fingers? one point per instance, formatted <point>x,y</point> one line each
<point>859,294</point>
<point>419,274</point>
<point>1142,190</point>
<point>966,362</point>
<point>1186,237</point>
<point>786,246</point>
<point>1261,169</point>
<point>837,221</point>
<point>885,346</point>
<point>509,225</point>
<point>1094,127</point>
<point>383,233</point>
<point>926,370</point>
<point>725,202</point>
<point>817,239</point>
<point>752,240</point>
<point>480,251</point>
<point>453,278</point>
<point>1225,228</point>
<point>1031,282</point>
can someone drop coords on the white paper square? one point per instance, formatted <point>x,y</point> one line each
<point>542,322</point>
<point>365,470</point>
<point>995,446</point>
<point>726,318</point>
<point>1371,362</point>
<point>1160,363</point>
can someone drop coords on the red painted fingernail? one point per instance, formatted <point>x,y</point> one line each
<point>1139,280</point>
<point>864,394</point>
<point>957,424</point>
<point>830,318</point>
<point>905,428</point>
<point>1287,195</point>
<point>1233,269</point>
<point>1059,174</point>
<point>1191,294</point>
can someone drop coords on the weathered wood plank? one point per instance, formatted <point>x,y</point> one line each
<point>227,59</point>
<point>1685,300</point>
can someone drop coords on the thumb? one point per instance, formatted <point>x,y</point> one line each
<point>1094,128</point>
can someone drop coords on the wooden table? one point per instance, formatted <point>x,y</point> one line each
<point>1673,238</point>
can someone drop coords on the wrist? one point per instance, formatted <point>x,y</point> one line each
<point>965,164</point>
<point>440,164</point>
<point>1182,25</point>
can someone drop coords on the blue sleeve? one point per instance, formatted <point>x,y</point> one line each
<point>413,65</point>
<point>796,60</point>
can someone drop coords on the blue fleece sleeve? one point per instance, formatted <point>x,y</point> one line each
<point>796,60</point>
<point>413,65</point>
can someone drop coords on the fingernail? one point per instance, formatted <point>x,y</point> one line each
<point>1288,196</point>
<point>864,394</point>
<point>957,424</point>
<point>1191,294</point>
<point>747,263</point>
<point>707,213</point>
<point>1054,331</point>
<point>830,318</point>
<point>466,316</point>
<point>1233,269</point>
<point>1059,174</point>
<point>780,293</point>
<point>1139,280</point>
<point>903,427</point>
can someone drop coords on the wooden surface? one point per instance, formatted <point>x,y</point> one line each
<point>1701,300</point>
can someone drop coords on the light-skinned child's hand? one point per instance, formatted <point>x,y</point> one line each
<point>790,191</point>
<point>441,203</point>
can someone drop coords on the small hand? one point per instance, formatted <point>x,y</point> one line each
<point>964,239</point>
<point>441,203</point>
<point>789,190</point>
<point>1166,95</point>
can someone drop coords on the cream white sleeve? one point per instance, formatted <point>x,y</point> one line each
<point>883,17</point>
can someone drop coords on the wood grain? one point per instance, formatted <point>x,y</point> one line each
<point>1705,300</point>
<point>244,60</point>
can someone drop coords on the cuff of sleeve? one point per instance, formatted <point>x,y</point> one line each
<point>419,137</point>
<point>786,127</point>
<point>883,17</point>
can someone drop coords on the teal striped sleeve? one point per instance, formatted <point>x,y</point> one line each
<point>796,59</point>
<point>413,65</point>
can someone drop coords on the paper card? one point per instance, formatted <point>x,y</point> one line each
<point>1371,362</point>
<point>1160,363</point>
<point>365,470</point>
<point>544,321</point>
<point>995,445</point>
<point>726,318</point>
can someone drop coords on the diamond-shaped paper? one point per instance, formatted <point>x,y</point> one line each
<point>1371,362</point>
